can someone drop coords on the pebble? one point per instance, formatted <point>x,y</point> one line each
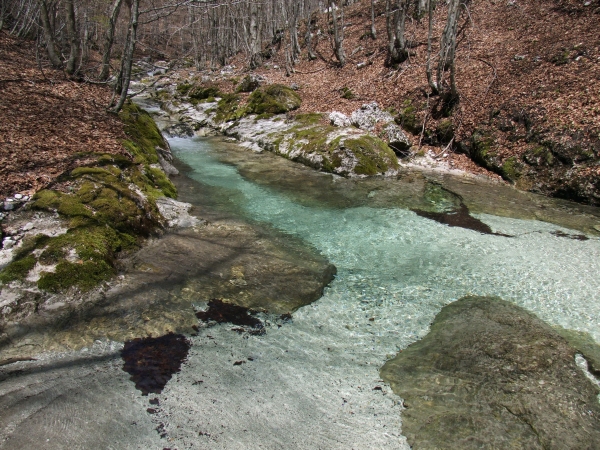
<point>18,196</point>
<point>8,243</point>
<point>28,226</point>
<point>8,206</point>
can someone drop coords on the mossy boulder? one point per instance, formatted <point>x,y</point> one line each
<point>344,152</point>
<point>200,92</point>
<point>273,99</point>
<point>109,205</point>
<point>407,118</point>
<point>491,375</point>
<point>229,108</point>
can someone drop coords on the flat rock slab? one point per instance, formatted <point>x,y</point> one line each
<point>492,375</point>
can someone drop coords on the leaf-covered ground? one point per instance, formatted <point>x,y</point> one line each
<point>48,122</point>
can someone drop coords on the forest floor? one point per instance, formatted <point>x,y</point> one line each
<point>48,122</point>
<point>531,67</point>
<point>534,65</point>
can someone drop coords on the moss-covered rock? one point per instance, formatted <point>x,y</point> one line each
<point>229,108</point>
<point>109,205</point>
<point>407,118</point>
<point>273,99</point>
<point>326,148</point>
<point>492,375</point>
<point>200,92</point>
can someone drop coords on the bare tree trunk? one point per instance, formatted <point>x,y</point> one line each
<point>255,47</point>
<point>128,56</point>
<point>49,35</point>
<point>192,25</point>
<point>373,29</point>
<point>72,36</point>
<point>432,84</point>
<point>395,24</point>
<point>309,37</point>
<point>338,34</point>
<point>85,51</point>
<point>448,46</point>
<point>109,39</point>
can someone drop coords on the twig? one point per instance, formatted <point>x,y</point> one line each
<point>8,361</point>
<point>314,71</point>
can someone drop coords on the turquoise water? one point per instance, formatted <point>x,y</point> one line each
<point>314,382</point>
<point>392,259</point>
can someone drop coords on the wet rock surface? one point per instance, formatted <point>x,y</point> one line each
<point>491,375</point>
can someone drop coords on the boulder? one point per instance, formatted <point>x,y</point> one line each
<point>180,129</point>
<point>492,375</point>
<point>368,115</point>
<point>397,139</point>
<point>273,99</point>
<point>250,83</point>
<point>339,119</point>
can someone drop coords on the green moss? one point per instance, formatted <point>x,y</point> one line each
<point>143,132</point>
<point>407,118</point>
<point>18,269</point>
<point>346,93</point>
<point>105,214</point>
<point>229,109</point>
<point>203,92</point>
<point>374,155</point>
<point>274,99</point>
<point>445,130</point>
<point>183,88</point>
<point>482,146</point>
<point>512,169</point>
<point>161,182</point>
<point>85,276</point>
<point>309,119</point>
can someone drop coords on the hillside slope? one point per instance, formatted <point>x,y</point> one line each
<point>527,73</point>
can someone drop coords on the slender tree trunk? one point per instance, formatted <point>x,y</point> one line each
<point>338,34</point>
<point>49,35</point>
<point>128,56</point>
<point>448,46</point>
<point>255,47</point>
<point>432,84</point>
<point>373,29</point>
<point>72,36</point>
<point>308,38</point>
<point>85,51</point>
<point>195,43</point>
<point>109,39</point>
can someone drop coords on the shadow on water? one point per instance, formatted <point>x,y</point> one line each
<point>459,217</point>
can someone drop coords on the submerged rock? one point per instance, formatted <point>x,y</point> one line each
<point>492,375</point>
<point>151,362</point>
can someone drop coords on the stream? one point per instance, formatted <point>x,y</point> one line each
<point>313,381</point>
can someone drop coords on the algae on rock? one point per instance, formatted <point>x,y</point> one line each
<point>492,375</point>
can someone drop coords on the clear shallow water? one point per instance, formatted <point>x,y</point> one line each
<point>394,262</point>
<point>315,382</point>
<point>312,383</point>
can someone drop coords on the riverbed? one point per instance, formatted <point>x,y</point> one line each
<point>313,381</point>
